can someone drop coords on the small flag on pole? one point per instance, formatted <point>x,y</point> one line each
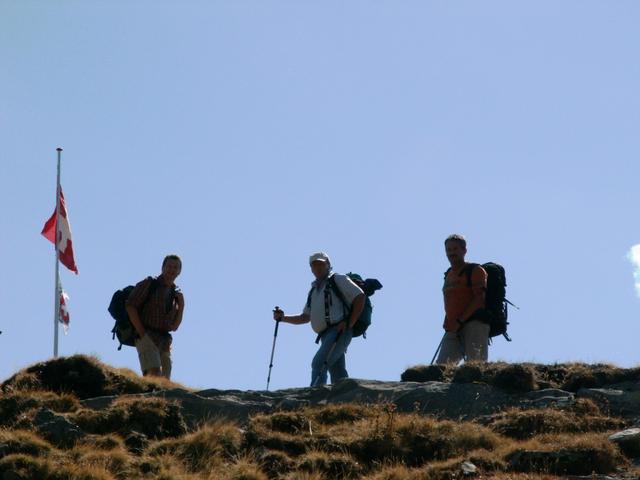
<point>64,316</point>
<point>65,244</point>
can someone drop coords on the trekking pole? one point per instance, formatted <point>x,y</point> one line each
<point>325,365</point>
<point>273,348</point>
<point>438,349</point>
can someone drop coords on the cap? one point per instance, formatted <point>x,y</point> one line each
<point>319,257</point>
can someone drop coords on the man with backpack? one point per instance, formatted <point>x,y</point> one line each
<point>334,305</point>
<point>466,329</point>
<point>155,308</point>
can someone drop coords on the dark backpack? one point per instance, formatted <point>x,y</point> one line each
<point>123,328</point>
<point>496,309</point>
<point>369,287</point>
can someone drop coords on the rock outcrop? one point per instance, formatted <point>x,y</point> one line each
<point>465,401</point>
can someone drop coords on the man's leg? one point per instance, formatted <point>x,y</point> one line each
<point>328,340</point>
<point>475,335</point>
<point>318,370</point>
<point>451,351</point>
<point>149,356</point>
<point>337,361</point>
<point>338,370</point>
<point>167,364</point>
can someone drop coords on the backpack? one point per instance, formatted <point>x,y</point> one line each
<point>123,328</point>
<point>369,287</point>
<point>496,309</point>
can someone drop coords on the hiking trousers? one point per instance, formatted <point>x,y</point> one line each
<point>150,357</point>
<point>336,361</point>
<point>471,344</point>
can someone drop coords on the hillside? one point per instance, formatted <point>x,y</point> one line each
<point>76,418</point>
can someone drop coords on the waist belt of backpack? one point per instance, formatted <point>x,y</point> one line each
<point>328,301</point>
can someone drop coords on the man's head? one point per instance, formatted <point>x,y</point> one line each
<point>320,265</point>
<point>171,267</point>
<point>456,247</point>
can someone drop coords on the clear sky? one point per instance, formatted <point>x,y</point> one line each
<point>245,135</point>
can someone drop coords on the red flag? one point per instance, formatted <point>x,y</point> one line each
<point>65,245</point>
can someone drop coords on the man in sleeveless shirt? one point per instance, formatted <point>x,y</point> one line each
<point>466,338</point>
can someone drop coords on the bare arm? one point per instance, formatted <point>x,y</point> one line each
<point>296,319</point>
<point>479,287</point>
<point>356,310</point>
<point>135,320</point>
<point>178,320</point>
<point>293,319</point>
<point>476,304</point>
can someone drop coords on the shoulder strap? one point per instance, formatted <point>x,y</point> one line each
<point>468,270</point>
<point>334,286</point>
<point>152,288</point>
<point>309,297</point>
<point>447,273</point>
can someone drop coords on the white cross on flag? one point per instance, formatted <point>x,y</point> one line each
<point>65,244</point>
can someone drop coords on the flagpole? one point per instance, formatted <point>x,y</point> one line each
<point>56,312</point>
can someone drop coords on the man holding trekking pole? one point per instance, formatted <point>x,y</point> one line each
<point>330,318</point>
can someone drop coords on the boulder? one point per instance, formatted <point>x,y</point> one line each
<point>628,441</point>
<point>566,461</point>
<point>57,429</point>
<point>621,400</point>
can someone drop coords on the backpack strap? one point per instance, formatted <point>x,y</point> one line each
<point>155,283</point>
<point>468,270</point>
<point>334,286</point>
<point>328,302</point>
<point>446,273</point>
<point>308,304</point>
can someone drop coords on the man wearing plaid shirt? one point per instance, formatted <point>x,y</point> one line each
<point>155,308</point>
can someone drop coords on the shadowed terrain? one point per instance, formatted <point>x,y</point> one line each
<point>76,418</point>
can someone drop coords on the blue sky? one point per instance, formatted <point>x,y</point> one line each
<point>244,135</point>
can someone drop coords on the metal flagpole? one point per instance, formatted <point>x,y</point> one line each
<point>56,312</point>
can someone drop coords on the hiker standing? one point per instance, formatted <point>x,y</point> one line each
<point>466,335</point>
<point>155,307</point>
<point>330,318</point>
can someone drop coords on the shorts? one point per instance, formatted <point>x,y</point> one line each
<point>151,357</point>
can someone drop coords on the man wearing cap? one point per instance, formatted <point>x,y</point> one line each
<point>329,319</point>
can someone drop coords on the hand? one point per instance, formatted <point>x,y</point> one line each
<point>343,326</point>
<point>180,300</point>
<point>278,314</point>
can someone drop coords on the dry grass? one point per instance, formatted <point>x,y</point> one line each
<point>204,449</point>
<point>379,444</point>
<point>28,467</point>
<point>527,376</point>
<point>83,376</point>
<point>566,455</point>
<point>370,435</point>
<point>142,437</point>
<point>19,441</point>
<point>330,465</point>
<point>15,407</point>
<point>244,468</point>
<point>526,424</point>
<point>153,417</point>
<point>101,442</point>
